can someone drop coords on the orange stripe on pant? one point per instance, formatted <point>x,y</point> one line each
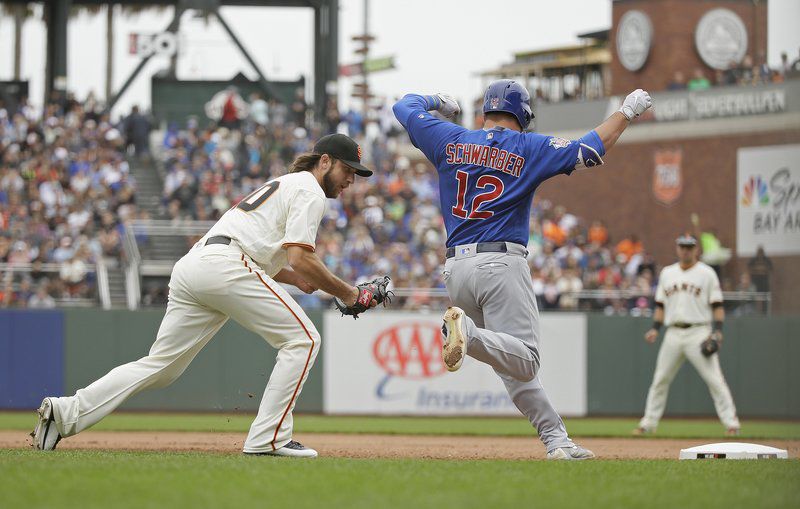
<point>308,359</point>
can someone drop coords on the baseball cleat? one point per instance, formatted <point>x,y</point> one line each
<point>642,431</point>
<point>732,432</point>
<point>455,338</point>
<point>293,449</point>
<point>574,452</point>
<point>45,435</point>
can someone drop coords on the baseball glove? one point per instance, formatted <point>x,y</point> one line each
<point>375,289</point>
<point>710,346</point>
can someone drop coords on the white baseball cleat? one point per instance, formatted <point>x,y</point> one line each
<point>575,452</point>
<point>45,435</point>
<point>293,449</point>
<point>455,338</point>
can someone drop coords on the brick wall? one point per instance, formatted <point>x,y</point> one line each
<point>620,193</point>
<point>672,48</point>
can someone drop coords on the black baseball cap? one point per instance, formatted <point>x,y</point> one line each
<point>686,240</point>
<point>345,149</point>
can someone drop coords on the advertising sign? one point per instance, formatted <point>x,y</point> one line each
<point>768,200</point>
<point>390,363</point>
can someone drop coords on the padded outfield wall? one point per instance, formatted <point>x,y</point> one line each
<point>386,363</point>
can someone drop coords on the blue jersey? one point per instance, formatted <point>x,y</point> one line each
<point>487,177</point>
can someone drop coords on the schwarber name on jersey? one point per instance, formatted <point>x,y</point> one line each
<point>487,177</point>
<point>687,295</point>
<point>283,212</point>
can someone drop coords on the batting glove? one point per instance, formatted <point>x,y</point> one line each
<point>449,107</point>
<point>636,103</point>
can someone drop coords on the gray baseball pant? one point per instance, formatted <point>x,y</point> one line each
<point>502,322</point>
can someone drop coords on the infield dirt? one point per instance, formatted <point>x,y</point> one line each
<point>382,446</point>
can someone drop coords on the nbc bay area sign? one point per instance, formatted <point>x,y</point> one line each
<point>768,200</point>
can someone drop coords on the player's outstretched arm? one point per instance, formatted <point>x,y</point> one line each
<point>634,105</point>
<point>311,269</point>
<point>414,103</point>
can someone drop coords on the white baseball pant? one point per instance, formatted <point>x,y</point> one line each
<point>679,345</point>
<point>209,285</point>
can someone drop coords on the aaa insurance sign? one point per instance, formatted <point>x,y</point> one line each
<point>390,363</point>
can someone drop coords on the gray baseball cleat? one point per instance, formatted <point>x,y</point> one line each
<point>455,338</point>
<point>45,435</point>
<point>293,449</point>
<point>574,452</point>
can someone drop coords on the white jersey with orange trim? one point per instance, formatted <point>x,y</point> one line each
<point>687,295</point>
<point>283,212</point>
<point>217,281</point>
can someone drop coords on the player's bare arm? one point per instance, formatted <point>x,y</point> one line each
<point>311,269</point>
<point>658,320</point>
<point>290,277</point>
<point>634,105</point>
<point>719,317</point>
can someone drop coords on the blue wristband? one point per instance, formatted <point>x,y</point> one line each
<point>433,102</point>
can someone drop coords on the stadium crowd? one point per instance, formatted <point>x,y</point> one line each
<point>65,191</point>
<point>66,194</point>
<point>390,223</point>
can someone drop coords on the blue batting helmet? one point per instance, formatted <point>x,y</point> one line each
<point>509,96</point>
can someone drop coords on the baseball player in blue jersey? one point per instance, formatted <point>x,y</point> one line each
<point>487,178</point>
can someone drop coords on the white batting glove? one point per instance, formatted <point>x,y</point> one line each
<point>449,107</point>
<point>636,103</point>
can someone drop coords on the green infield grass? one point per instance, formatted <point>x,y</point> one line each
<point>87,479</point>
<point>585,427</point>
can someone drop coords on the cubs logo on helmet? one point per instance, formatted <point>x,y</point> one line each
<point>511,97</point>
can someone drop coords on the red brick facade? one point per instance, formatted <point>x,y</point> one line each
<point>672,48</point>
<point>620,193</point>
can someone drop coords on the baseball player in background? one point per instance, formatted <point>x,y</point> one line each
<point>688,298</point>
<point>487,178</point>
<point>233,272</point>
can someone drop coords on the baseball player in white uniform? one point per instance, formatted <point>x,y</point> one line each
<point>688,298</point>
<point>233,272</point>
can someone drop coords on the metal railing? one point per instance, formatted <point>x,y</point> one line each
<point>133,292</point>
<point>7,269</point>
<point>103,290</point>
<point>139,268</point>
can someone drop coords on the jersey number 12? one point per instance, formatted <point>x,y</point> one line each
<point>484,181</point>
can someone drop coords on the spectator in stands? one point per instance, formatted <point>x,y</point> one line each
<point>227,107</point>
<point>259,110</point>
<point>137,129</point>
<point>762,70</point>
<point>628,247</point>
<point>744,71</point>
<point>598,233</point>
<point>41,299</point>
<point>785,66</point>
<point>298,108</point>
<point>568,284</point>
<point>678,82</point>
<point>698,81</point>
<point>355,123</point>
<point>760,268</point>
<point>731,74</point>
<point>712,251</point>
